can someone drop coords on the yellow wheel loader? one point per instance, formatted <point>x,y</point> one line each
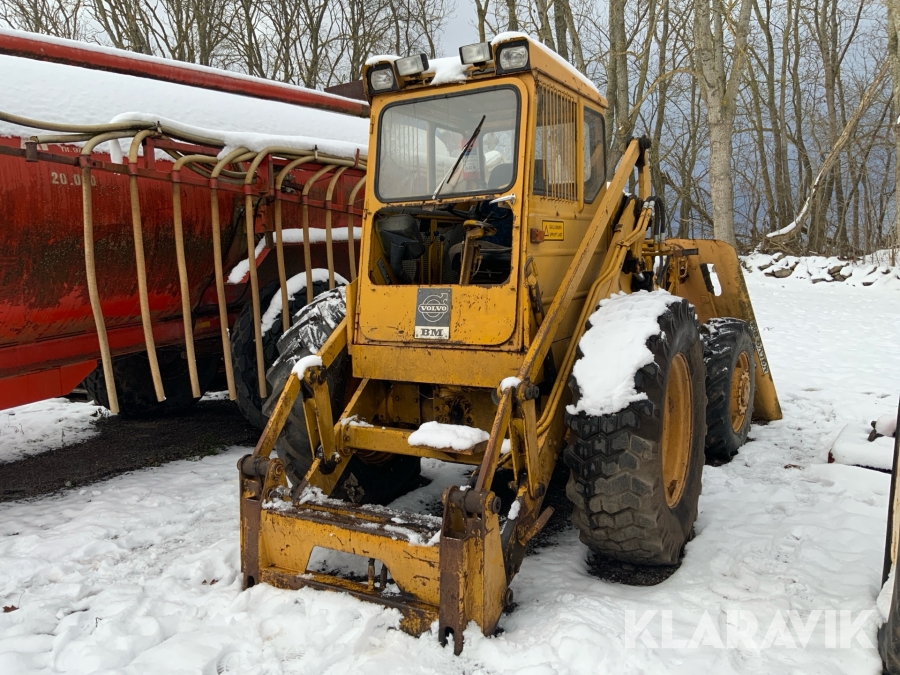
<point>491,234</point>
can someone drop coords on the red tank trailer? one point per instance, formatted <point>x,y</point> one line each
<point>94,265</point>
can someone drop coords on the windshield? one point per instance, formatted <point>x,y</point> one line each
<point>448,145</point>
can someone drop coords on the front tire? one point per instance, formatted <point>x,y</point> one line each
<point>728,352</point>
<point>370,477</point>
<point>636,474</point>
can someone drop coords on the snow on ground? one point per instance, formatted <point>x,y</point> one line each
<point>881,268</point>
<point>140,574</point>
<point>852,446</point>
<point>38,427</point>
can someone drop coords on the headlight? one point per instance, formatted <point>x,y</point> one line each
<point>477,53</point>
<point>381,78</point>
<point>411,65</point>
<point>513,57</point>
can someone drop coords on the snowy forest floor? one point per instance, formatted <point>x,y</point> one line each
<point>140,573</point>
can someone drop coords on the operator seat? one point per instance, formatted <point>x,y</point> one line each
<point>496,215</point>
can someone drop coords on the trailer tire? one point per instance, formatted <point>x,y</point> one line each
<point>728,352</point>
<point>370,477</point>
<point>134,384</point>
<point>243,350</point>
<point>629,503</point>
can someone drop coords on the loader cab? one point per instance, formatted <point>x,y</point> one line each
<point>483,170</point>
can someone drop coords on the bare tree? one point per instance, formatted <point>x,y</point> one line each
<point>893,44</point>
<point>745,101</point>
<point>60,18</point>
<point>720,38</point>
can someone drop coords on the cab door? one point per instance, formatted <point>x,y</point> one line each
<point>567,181</point>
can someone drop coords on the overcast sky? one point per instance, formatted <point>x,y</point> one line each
<point>460,28</point>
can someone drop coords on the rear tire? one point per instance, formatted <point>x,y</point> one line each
<point>370,477</point>
<point>728,352</point>
<point>134,384</point>
<point>636,474</point>
<point>243,350</point>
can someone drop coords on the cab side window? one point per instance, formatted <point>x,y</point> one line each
<point>555,145</point>
<point>594,154</point>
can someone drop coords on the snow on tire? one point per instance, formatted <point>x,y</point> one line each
<point>728,352</point>
<point>636,472</point>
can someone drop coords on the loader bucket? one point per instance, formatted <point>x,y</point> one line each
<point>693,261</point>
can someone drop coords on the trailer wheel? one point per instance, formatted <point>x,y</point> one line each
<point>134,384</point>
<point>243,350</point>
<point>636,474</point>
<point>370,477</point>
<point>730,386</point>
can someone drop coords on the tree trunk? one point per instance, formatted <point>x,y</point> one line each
<point>513,20</point>
<point>893,27</point>
<point>721,184</point>
<point>719,90</point>
<point>618,80</point>
<point>481,10</point>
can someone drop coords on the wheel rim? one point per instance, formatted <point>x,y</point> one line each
<point>678,429</point>
<point>740,392</point>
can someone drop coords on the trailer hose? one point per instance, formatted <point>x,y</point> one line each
<point>186,160</point>
<point>279,240</point>
<point>236,155</point>
<point>254,279</point>
<point>329,249</point>
<point>94,129</point>
<point>141,263</point>
<point>351,237</point>
<point>90,267</point>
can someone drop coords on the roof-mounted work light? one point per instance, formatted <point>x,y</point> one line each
<point>477,53</point>
<point>411,65</point>
<point>512,56</point>
<point>381,78</point>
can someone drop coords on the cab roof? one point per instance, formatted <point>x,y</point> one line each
<point>450,70</point>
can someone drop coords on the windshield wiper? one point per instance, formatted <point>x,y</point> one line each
<point>466,148</point>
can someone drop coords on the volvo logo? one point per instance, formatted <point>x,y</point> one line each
<point>434,307</point>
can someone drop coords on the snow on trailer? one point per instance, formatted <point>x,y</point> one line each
<point>73,53</point>
<point>157,163</point>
